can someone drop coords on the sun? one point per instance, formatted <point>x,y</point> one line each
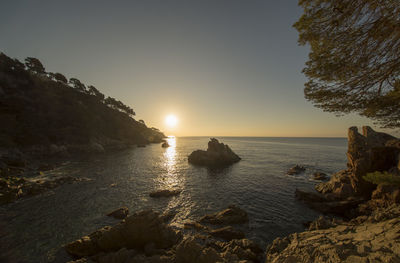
<point>171,120</point>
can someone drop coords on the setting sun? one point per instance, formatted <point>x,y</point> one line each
<point>171,121</point>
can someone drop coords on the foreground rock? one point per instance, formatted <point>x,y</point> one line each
<point>365,239</point>
<point>217,154</point>
<point>165,193</point>
<point>120,213</point>
<point>145,238</point>
<point>231,215</point>
<point>297,169</point>
<point>135,232</point>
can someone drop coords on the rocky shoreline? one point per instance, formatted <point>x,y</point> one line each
<point>367,229</point>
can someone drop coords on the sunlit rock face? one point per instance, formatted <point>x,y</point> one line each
<point>217,154</point>
<point>368,152</point>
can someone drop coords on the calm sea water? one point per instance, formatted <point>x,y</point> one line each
<point>33,230</point>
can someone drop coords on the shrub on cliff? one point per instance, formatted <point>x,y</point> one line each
<point>382,178</point>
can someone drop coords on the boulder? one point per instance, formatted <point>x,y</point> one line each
<point>217,154</point>
<point>165,145</point>
<point>165,193</point>
<point>120,213</point>
<point>297,169</point>
<point>231,215</point>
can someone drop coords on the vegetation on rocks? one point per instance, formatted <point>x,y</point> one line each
<point>382,178</point>
<point>39,108</point>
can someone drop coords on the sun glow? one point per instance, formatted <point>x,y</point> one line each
<point>171,121</point>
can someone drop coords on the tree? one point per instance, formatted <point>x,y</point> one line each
<point>60,77</point>
<point>354,62</point>
<point>77,84</point>
<point>95,92</point>
<point>34,65</point>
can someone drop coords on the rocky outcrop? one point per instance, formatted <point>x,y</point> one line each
<point>165,193</point>
<point>145,237</point>
<point>365,239</point>
<point>120,213</point>
<point>217,154</point>
<point>297,169</point>
<point>165,145</point>
<point>372,151</point>
<point>135,232</point>
<point>231,215</point>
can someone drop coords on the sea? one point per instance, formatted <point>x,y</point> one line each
<point>35,229</point>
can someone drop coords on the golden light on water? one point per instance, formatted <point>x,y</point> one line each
<point>170,179</point>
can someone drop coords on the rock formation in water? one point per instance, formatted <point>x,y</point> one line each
<point>120,213</point>
<point>297,169</point>
<point>217,154</point>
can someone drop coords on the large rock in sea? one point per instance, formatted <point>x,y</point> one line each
<point>217,154</point>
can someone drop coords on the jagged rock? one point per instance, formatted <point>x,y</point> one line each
<point>217,154</point>
<point>231,215</point>
<point>370,152</point>
<point>368,240</point>
<point>165,193</point>
<point>120,213</point>
<point>165,145</point>
<point>135,232</point>
<point>322,223</point>
<point>320,176</point>
<point>227,233</point>
<point>297,169</point>
<point>195,225</point>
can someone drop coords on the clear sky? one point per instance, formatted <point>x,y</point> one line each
<point>223,67</point>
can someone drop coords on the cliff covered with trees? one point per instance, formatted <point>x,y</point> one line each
<point>39,108</point>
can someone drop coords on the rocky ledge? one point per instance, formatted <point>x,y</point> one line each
<point>366,239</point>
<point>147,237</point>
<point>217,154</point>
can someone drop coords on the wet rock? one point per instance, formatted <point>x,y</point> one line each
<point>227,233</point>
<point>320,176</point>
<point>165,193</point>
<point>195,225</point>
<point>217,154</point>
<point>297,169</point>
<point>231,215</point>
<point>120,213</point>
<point>165,145</point>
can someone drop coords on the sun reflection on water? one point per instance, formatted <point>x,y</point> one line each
<point>170,179</point>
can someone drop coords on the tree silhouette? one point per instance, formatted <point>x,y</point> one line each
<point>77,84</point>
<point>354,63</point>
<point>34,65</point>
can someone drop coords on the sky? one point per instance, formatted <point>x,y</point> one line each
<point>222,67</point>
